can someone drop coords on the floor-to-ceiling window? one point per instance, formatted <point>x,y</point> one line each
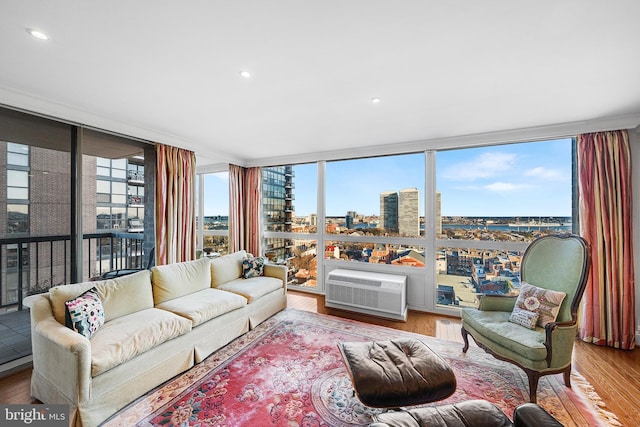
<point>36,214</point>
<point>494,201</point>
<point>213,208</point>
<point>455,221</point>
<point>290,220</point>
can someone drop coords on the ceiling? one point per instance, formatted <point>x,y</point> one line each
<point>169,71</point>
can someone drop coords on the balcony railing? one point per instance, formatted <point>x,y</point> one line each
<point>32,265</point>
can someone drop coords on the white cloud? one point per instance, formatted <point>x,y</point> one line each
<point>486,165</point>
<point>546,174</point>
<point>502,187</point>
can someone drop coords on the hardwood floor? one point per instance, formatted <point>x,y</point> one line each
<point>614,374</point>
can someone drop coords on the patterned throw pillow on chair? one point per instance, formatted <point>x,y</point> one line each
<point>525,318</point>
<point>546,303</point>
<point>252,267</point>
<point>85,313</point>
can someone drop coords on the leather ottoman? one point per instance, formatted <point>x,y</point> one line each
<point>470,413</point>
<point>397,372</point>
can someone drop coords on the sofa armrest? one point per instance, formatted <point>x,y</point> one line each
<point>60,355</point>
<point>532,415</point>
<point>497,303</point>
<point>277,271</point>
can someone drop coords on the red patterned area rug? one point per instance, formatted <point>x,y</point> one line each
<point>289,372</point>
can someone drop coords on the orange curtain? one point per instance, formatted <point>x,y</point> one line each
<point>175,205</point>
<point>604,173</point>
<point>245,194</point>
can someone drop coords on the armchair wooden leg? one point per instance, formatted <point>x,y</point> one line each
<point>533,385</point>
<point>465,337</point>
<point>567,376</point>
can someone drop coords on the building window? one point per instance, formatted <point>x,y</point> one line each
<point>17,188</point>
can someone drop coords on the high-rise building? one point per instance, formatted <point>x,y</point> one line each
<point>408,212</point>
<point>278,209</point>
<point>389,211</point>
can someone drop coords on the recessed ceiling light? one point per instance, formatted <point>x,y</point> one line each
<point>245,74</point>
<point>37,34</point>
<point>375,100</point>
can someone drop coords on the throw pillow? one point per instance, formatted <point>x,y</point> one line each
<point>252,267</point>
<point>85,313</point>
<point>525,318</point>
<point>544,302</point>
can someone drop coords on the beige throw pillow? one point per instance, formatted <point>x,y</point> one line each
<point>546,303</point>
<point>525,318</point>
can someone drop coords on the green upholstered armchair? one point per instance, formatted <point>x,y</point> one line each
<point>554,262</point>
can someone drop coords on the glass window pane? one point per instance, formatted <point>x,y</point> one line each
<point>119,173</point>
<point>463,274</point>
<point>17,193</point>
<point>508,192</point>
<point>118,198</point>
<point>215,245</point>
<point>119,163</point>
<point>102,171</point>
<point>216,201</point>
<point>378,196</point>
<point>289,198</point>
<point>17,218</point>
<point>17,159</point>
<point>119,187</point>
<point>103,186</point>
<point>103,198</point>
<point>376,253</point>
<point>17,178</point>
<point>101,161</point>
<point>12,147</point>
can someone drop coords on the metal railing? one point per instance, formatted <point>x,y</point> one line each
<point>30,265</point>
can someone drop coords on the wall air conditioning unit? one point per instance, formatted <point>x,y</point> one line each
<point>366,292</point>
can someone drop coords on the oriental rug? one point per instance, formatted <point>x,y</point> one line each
<point>288,371</point>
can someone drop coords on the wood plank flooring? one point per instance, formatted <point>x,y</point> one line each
<point>614,374</point>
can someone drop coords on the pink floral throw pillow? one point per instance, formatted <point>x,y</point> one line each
<point>546,303</point>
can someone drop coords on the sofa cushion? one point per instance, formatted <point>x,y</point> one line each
<point>182,278</point>
<point>253,288</point>
<point>226,268</point>
<point>126,295</point>
<point>120,296</point>
<point>85,313</point>
<point>204,305</point>
<point>495,326</point>
<point>124,338</point>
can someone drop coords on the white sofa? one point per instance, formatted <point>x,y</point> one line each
<point>158,324</point>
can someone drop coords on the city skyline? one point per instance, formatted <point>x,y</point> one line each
<point>515,180</point>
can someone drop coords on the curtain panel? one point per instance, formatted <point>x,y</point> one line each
<point>245,198</point>
<point>175,205</point>
<point>604,175</point>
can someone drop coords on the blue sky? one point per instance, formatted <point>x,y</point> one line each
<point>524,179</point>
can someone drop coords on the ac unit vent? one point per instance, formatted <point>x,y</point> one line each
<point>358,280</point>
<point>367,292</point>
